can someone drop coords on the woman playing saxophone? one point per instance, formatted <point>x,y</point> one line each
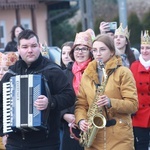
<point>115,102</point>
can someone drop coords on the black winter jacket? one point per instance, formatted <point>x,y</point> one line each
<point>67,142</point>
<point>11,47</point>
<point>69,74</point>
<point>62,95</point>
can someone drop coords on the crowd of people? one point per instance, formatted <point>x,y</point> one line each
<point>99,98</point>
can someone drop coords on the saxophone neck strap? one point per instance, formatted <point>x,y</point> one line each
<point>113,70</point>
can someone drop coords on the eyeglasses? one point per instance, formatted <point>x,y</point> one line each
<point>83,49</point>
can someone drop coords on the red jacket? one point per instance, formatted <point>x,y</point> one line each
<point>142,77</point>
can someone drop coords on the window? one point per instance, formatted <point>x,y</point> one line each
<point>2,35</point>
<point>26,23</point>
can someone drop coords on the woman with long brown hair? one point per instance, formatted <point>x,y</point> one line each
<point>111,94</point>
<point>122,46</point>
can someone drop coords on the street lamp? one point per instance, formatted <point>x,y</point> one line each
<point>122,12</point>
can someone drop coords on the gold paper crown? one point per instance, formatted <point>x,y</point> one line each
<point>83,38</point>
<point>45,50</point>
<point>92,33</point>
<point>122,31</point>
<point>145,38</point>
<point>8,59</point>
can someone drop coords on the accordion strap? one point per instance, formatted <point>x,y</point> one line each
<point>50,104</point>
<point>48,92</point>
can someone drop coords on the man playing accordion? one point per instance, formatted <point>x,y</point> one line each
<point>61,96</point>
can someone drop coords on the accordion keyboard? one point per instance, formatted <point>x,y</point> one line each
<point>19,111</point>
<point>7,108</point>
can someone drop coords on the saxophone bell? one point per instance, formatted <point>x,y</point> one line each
<point>99,121</point>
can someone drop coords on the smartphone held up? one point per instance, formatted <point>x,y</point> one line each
<point>113,26</point>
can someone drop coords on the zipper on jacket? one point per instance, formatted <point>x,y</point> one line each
<point>26,70</point>
<point>47,133</point>
<point>23,135</point>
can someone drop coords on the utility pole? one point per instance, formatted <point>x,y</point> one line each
<point>122,12</point>
<point>86,14</point>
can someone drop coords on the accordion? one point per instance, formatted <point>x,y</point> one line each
<point>19,95</point>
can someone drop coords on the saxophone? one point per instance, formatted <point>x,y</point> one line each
<point>95,118</point>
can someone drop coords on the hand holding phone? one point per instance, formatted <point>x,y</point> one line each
<point>112,26</point>
<point>107,27</point>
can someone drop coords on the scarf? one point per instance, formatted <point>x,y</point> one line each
<point>77,70</point>
<point>146,64</point>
